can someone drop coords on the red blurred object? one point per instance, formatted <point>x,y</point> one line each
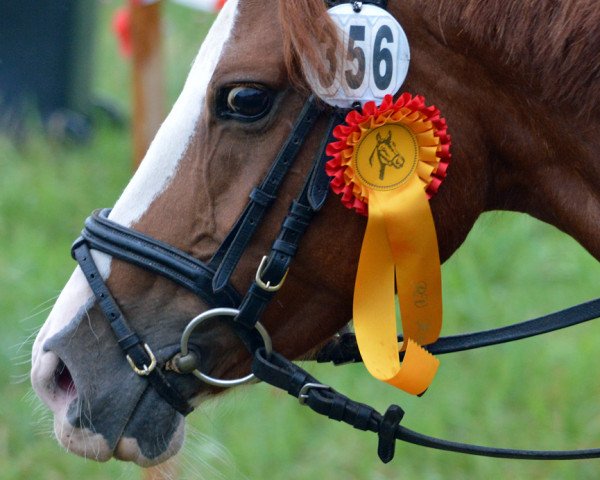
<point>121,22</point>
<point>121,25</point>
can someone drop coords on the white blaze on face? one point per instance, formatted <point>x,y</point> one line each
<point>160,163</point>
<point>155,173</point>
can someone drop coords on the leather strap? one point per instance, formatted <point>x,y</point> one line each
<point>229,253</point>
<point>284,248</point>
<point>318,182</point>
<point>283,374</point>
<point>126,244</point>
<point>343,349</point>
<point>127,339</point>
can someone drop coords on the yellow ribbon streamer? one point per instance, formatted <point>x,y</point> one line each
<point>399,242</point>
<point>387,158</point>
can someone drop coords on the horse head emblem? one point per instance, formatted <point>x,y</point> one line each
<point>387,154</point>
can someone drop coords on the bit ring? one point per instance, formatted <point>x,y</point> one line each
<point>220,312</point>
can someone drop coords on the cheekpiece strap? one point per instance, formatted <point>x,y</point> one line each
<point>284,248</point>
<point>231,250</point>
<point>318,184</point>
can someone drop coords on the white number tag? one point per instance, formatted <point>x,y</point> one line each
<point>374,61</point>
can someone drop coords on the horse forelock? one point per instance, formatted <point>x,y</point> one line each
<point>307,30</point>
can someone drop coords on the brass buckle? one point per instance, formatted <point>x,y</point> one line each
<point>267,287</point>
<point>147,369</point>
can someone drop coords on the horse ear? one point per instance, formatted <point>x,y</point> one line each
<point>379,139</point>
<point>389,137</point>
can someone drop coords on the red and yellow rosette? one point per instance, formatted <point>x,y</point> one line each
<point>388,162</point>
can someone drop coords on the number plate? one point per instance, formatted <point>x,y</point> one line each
<point>374,61</point>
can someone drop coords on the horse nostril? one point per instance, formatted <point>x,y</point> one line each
<point>64,380</point>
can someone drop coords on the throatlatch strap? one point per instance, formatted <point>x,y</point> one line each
<point>127,339</point>
<point>281,373</point>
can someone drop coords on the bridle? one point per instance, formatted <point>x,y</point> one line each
<point>211,283</point>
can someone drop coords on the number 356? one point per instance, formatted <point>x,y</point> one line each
<point>370,60</point>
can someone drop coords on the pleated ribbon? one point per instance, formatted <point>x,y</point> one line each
<point>387,162</point>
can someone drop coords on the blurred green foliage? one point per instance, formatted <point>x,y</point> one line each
<point>539,393</point>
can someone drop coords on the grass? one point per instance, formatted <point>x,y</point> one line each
<point>537,393</point>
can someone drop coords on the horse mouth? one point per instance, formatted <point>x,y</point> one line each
<point>82,427</point>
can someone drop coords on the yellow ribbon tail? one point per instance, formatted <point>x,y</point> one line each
<point>399,249</point>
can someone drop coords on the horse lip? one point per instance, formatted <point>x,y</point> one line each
<point>63,383</point>
<point>127,449</point>
<point>110,451</point>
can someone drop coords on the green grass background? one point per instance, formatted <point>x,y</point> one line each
<point>541,393</point>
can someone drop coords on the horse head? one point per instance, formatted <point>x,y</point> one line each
<point>387,153</point>
<point>515,150</point>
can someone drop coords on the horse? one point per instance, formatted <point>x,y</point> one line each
<point>518,82</point>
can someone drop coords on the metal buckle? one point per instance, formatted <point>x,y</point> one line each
<point>267,286</point>
<point>146,370</point>
<point>220,312</point>
<point>303,395</point>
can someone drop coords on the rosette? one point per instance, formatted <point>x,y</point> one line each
<point>387,162</point>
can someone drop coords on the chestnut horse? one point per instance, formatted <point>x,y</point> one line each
<point>519,83</point>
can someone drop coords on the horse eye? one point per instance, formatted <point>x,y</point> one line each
<point>245,103</point>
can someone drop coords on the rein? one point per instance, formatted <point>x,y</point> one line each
<point>211,283</point>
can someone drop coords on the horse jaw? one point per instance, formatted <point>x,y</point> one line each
<point>71,309</point>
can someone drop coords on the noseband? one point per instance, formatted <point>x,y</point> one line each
<point>211,283</point>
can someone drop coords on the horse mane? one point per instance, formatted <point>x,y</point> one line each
<point>554,43</point>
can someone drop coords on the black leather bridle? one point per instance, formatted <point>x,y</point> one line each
<point>211,283</point>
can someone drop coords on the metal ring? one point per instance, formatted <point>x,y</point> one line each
<point>220,312</point>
